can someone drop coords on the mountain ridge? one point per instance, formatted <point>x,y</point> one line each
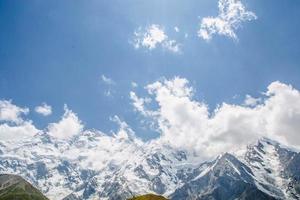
<point>95,166</point>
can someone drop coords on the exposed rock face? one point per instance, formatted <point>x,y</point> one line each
<point>226,178</point>
<point>265,170</point>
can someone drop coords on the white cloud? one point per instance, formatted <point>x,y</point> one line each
<point>231,15</point>
<point>176,29</point>
<point>134,84</point>
<point>44,109</point>
<point>108,93</point>
<point>152,37</point>
<point>13,126</point>
<point>67,127</point>
<point>172,46</point>
<point>139,103</point>
<point>186,123</point>
<point>124,132</point>
<point>251,101</point>
<point>109,83</point>
<point>11,113</point>
<point>107,80</point>
<point>17,132</point>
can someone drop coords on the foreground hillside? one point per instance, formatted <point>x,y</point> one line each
<point>14,187</point>
<point>148,197</point>
<point>126,168</point>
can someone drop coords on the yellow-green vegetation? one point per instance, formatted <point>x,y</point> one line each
<point>148,197</point>
<point>21,190</point>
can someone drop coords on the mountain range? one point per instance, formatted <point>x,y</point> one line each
<point>93,165</point>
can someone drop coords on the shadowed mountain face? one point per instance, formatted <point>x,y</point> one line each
<point>227,178</point>
<point>264,170</point>
<point>14,187</point>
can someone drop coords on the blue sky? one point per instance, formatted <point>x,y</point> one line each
<point>57,51</point>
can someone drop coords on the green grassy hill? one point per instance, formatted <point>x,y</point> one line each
<point>148,197</point>
<point>14,187</point>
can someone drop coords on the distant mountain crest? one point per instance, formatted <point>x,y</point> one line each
<point>95,166</point>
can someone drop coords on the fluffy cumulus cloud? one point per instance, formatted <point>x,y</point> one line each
<point>67,127</point>
<point>44,109</point>
<point>186,123</point>
<point>182,121</point>
<point>11,113</point>
<point>14,127</point>
<point>154,36</point>
<point>17,132</point>
<point>231,15</point>
<point>12,124</point>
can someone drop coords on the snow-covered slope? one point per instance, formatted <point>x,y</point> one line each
<point>272,166</point>
<point>264,170</point>
<point>93,165</point>
<point>96,166</point>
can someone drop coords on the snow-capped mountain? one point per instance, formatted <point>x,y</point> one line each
<point>265,170</point>
<point>96,166</point>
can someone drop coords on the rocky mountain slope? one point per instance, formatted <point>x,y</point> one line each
<point>96,166</point>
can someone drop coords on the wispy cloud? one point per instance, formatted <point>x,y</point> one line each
<point>107,80</point>
<point>154,36</point>
<point>231,15</point>
<point>108,93</point>
<point>251,101</point>
<point>134,84</point>
<point>44,109</point>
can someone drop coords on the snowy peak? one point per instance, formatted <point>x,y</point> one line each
<point>225,178</point>
<point>265,170</point>
<point>270,163</point>
<point>230,165</point>
<point>96,166</point>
